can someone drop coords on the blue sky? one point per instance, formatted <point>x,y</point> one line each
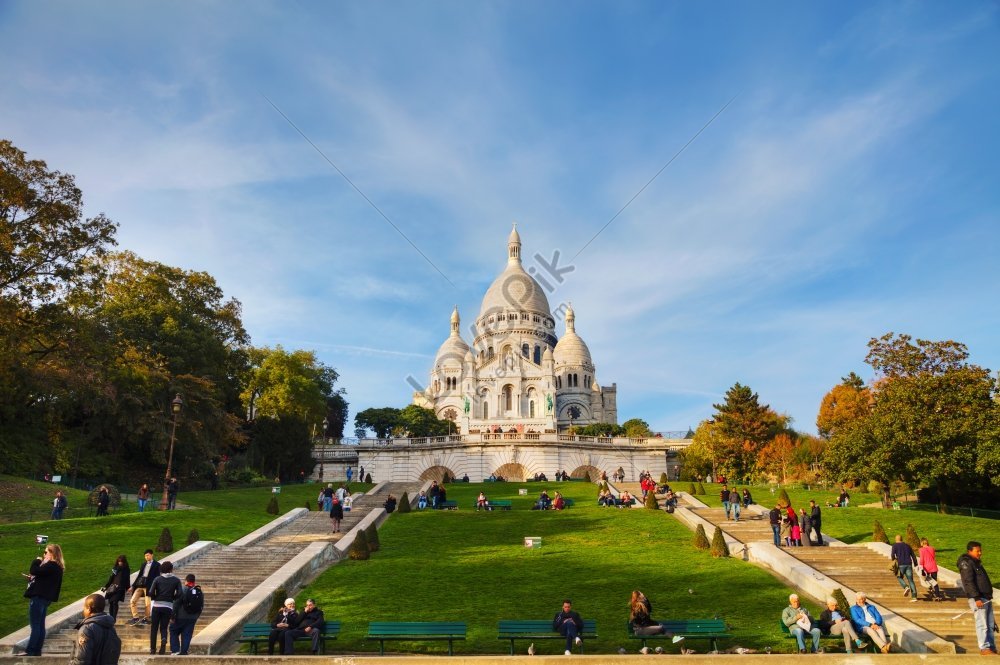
<point>851,188</point>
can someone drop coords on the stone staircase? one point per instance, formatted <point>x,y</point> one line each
<point>862,569</point>
<point>226,574</point>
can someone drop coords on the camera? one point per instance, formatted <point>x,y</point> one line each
<point>41,540</point>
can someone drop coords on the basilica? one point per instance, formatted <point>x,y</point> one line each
<point>517,375</point>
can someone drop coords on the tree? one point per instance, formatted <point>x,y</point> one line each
<point>720,548</point>
<point>637,428</point>
<point>845,403</point>
<point>698,458</point>
<point>776,457</point>
<point>599,429</point>
<point>744,426</point>
<point>336,414</point>
<point>280,447</point>
<point>418,421</point>
<point>380,421</point>
<point>700,540</point>
<point>280,383</point>
<point>878,533</point>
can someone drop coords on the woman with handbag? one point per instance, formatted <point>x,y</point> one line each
<point>44,582</point>
<point>114,589</point>
<point>639,620</point>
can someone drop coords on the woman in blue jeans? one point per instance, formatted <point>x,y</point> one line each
<point>44,583</point>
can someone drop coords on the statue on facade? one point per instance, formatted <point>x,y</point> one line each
<point>548,403</point>
<point>467,405</point>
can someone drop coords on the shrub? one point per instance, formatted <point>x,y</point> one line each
<point>272,505</point>
<point>651,501</point>
<point>603,485</point>
<point>371,535</point>
<point>277,602</point>
<point>719,547</point>
<point>359,548</point>
<point>701,538</point>
<point>701,489</point>
<point>878,533</point>
<point>783,500</point>
<point>166,542</point>
<point>692,490</point>
<point>114,496</point>
<point>911,538</point>
<point>663,478</point>
<point>404,504</point>
<point>874,487</point>
<point>193,537</point>
<point>368,477</point>
<point>309,505</point>
<point>842,604</point>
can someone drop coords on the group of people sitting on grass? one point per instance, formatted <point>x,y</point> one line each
<point>862,618</point>
<point>435,498</point>
<point>545,502</point>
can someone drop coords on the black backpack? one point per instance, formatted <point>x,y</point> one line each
<point>111,649</point>
<point>194,600</point>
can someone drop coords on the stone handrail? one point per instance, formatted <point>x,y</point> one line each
<point>547,436</point>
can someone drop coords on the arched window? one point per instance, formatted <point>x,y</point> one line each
<point>489,352</point>
<point>486,410</point>
<point>538,355</point>
<point>576,380</point>
<point>531,409</point>
<point>508,398</point>
<point>525,350</point>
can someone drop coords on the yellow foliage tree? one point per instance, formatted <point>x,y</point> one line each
<point>847,402</point>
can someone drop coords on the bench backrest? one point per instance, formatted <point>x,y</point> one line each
<point>540,626</point>
<point>416,628</point>
<point>568,502</point>
<point>695,626</point>
<point>331,627</point>
<point>255,629</point>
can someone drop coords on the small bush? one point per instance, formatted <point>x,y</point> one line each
<point>701,489</point>
<point>193,537</point>
<point>692,490</point>
<point>719,547</point>
<point>446,478</point>
<point>371,535</point>
<point>368,477</point>
<point>701,538</point>
<point>359,548</point>
<point>651,501</point>
<point>272,505</point>
<point>404,504</point>
<point>878,533</point>
<point>309,505</point>
<point>663,478</point>
<point>874,487</point>
<point>842,605</point>
<point>166,542</point>
<point>911,538</point>
<point>277,602</point>
<point>783,500</point>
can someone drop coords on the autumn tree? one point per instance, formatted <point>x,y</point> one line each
<point>776,458</point>
<point>846,402</point>
<point>744,426</point>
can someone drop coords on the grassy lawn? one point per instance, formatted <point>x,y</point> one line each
<point>464,565</point>
<point>23,500</point>
<point>91,545</point>
<point>948,534</point>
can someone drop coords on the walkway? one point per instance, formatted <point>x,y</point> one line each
<point>226,574</point>
<point>860,568</point>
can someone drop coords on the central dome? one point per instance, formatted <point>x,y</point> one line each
<point>514,289</point>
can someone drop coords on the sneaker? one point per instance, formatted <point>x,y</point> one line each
<point>914,600</point>
<point>885,647</point>
<point>579,641</point>
<point>862,645</point>
<point>802,650</point>
<point>175,653</point>
<point>145,622</point>
<point>819,650</point>
<point>849,651</point>
<point>906,591</point>
<point>568,653</point>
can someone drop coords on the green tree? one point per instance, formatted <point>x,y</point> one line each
<point>700,539</point>
<point>719,546</point>
<point>381,421</point>
<point>637,428</point>
<point>280,383</point>
<point>744,426</point>
<point>697,459</point>
<point>417,421</point>
<point>600,429</point>
<point>280,447</point>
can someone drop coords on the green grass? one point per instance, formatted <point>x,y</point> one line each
<point>948,534</point>
<point>91,544</point>
<point>473,567</point>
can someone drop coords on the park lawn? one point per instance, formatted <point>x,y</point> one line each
<point>472,566</point>
<point>23,500</point>
<point>948,534</point>
<point>294,495</point>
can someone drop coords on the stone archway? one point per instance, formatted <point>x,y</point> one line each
<point>591,473</point>
<point>436,473</point>
<point>511,471</point>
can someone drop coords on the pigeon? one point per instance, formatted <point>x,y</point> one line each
<point>531,649</point>
<point>621,651</point>
<point>644,651</point>
<point>659,649</point>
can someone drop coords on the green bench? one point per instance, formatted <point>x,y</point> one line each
<point>415,631</point>
<point>690,629</point>
<point>828,636</point>
<point>531,629</point>
<point>447,505</point>
<point>499,504</point>
<point>254,633</point>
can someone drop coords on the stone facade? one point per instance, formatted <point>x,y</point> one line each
<point>517,375</point>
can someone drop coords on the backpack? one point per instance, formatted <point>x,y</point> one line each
<point>111,648</point>
<point>193,600</point>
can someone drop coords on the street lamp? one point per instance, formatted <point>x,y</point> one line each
<point>175,407</point>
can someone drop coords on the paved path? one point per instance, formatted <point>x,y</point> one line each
<point>226,574</point>
<point>860,568</point>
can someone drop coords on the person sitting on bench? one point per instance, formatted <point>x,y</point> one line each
<point>800,624</point>
<point>568,624</point>
<point>639,620</point>
<point>286,618</point>
<point>311,623</point>
<point>833,622</point>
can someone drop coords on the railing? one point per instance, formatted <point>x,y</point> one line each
<point>522,436</point>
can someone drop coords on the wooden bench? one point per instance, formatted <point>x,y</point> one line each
<point>530,629</point>
<point>447,505</point>
<point>690,629</point>
<point>259,632</point>
<point>830,636</point>
<point>415,631</point>
<point>498,504</point>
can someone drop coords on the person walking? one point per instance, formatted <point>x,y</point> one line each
<point>724,498</point>
<point>148,573</point>
<point>165,590</point>
<point>97,642</point>
<point>774,517</point>
<point>928,563</point>
<point>59,504</point>
<point>977,586</point>
<point>336,514</point>
<point>816,521</point>
<point>735,501</point>
<point>117,585</point>
<point>187,608</point>
<point>142,497</point>
<point>172,488</point>
<point>327,497</point>
<point>569,624</point>
<point>44,582</point>
<point>904,557</point>
<point>103,501</point>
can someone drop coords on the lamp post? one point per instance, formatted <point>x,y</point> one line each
<point>175,407</point>
<point>322,452</point>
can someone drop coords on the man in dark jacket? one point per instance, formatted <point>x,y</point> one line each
<point>187,609</point>
<point>311,623</point>
<point>286,619</point>
<point>165,591</point>
<point>569,624</point>
<point>172,494</point>
<point>979,589</point>
<point>774,517</point>
<point>816,519</point>
<point>148,572</point>
<point>903,555</point>
<point>97,642</point>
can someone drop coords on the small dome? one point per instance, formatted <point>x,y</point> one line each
<point>547,354</point>
<point>454,348</point>
<point>571,349</point>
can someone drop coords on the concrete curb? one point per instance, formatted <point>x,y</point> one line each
<point>689,517</point>
<point>253,607</point>
<point>263,532</point>
<point>70,615</point>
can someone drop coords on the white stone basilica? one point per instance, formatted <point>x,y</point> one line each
<point>517,375</point>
